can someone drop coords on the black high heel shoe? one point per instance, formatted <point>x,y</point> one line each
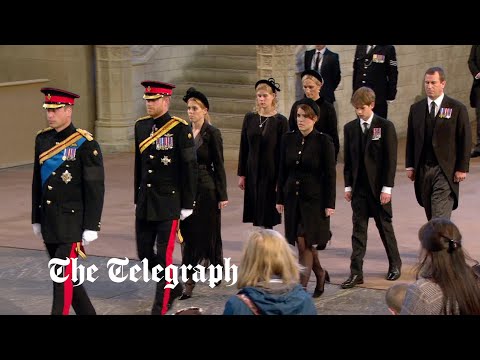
<point>187,293</point>
<point>319,291</point>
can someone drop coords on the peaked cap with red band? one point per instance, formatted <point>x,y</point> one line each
<point>57,98</point>
<point>156,89</point>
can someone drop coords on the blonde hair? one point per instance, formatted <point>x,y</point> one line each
<point>313,78</point>
<point>268,88</point>
<point>267,254</point>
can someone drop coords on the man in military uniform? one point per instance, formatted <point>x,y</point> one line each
<point>67,194</point>
<point>375,66</point>
<point>165,184</point>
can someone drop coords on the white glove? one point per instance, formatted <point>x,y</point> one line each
<point>184,213</point>
<point>37,229</point>
<point>88,236</point>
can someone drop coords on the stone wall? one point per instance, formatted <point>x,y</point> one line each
<point>69,67</point>
<point>24,70</point>
<point>413,61</point>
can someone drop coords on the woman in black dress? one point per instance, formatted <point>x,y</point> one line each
<point>202,240</point>
<point>259,156</point>
<point>312,83</point>
<point>306,191</point>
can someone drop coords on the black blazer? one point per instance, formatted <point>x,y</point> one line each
<point>326,123</point>
<point>330,71</point>
<point>451,141</point>
<point>306,183</point>
<point>380,155</point>
<point>71,199</point>
<point>474,66</point>
<point>165,179</point>
<point>210,157</point>
<point>376,69</point>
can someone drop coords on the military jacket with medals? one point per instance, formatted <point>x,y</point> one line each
<point>165,169</point>
<point>68,185</point>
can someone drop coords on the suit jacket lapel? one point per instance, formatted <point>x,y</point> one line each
<point>308,58</point>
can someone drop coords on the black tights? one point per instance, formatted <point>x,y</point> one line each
<point>308,257</point>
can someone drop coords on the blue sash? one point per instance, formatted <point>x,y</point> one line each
<point>55,162</point>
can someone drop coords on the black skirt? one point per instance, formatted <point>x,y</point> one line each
<point>202,240</point>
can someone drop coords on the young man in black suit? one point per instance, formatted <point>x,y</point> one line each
<point>438,147</point>
<point>327,63</point>
<point>375,66</point>
<point>370,144</point>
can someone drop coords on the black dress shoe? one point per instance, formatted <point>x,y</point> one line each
<point>475,153</point>
<point>394,274</point>
<point>352,281</point>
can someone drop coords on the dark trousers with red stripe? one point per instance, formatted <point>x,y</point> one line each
<point>162,235</point>
<point>66,294</point>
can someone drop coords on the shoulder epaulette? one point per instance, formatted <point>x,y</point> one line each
<point>85,134</point>
<point>45,130</point>
<point>144,118</point>
<point>184,122</point>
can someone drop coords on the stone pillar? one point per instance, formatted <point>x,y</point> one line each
<point>278,61</point>
<point>115,105</point>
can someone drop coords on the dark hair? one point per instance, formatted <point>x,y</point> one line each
<point>434,69</point>
<point>444,262</point>
<point>311,104</point>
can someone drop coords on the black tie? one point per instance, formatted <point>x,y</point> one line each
<point>365,127</point>
<point>317,61</point>
<point>432,110</point>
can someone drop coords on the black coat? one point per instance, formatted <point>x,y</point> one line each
<point>201,231</point>
<point>327,121</point>
<point>306,184</point>
<point>330,71</point>
<point>380,157</point>
<point>165,179</point>
<point>376,69</point>
<point>71,198</point>
<point>451,141</point>
<point>258,161</point>
<point>474,66</point>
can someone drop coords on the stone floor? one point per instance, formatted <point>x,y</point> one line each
<point>26,287</point>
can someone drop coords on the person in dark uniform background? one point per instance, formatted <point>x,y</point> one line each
<point>201,232</point>
<point>312,83</point>
<point>438,147</point>
<point>165,184</point>
<point>306,191</point>
<point>259,156</point>
<point>67,194</point>
<point>327,63</point>
<point>370,144</point>
<point>375,66</point>
<point>474,66</point>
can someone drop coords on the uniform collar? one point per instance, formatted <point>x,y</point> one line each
<point>163,118</point>
<point>62,135</point>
